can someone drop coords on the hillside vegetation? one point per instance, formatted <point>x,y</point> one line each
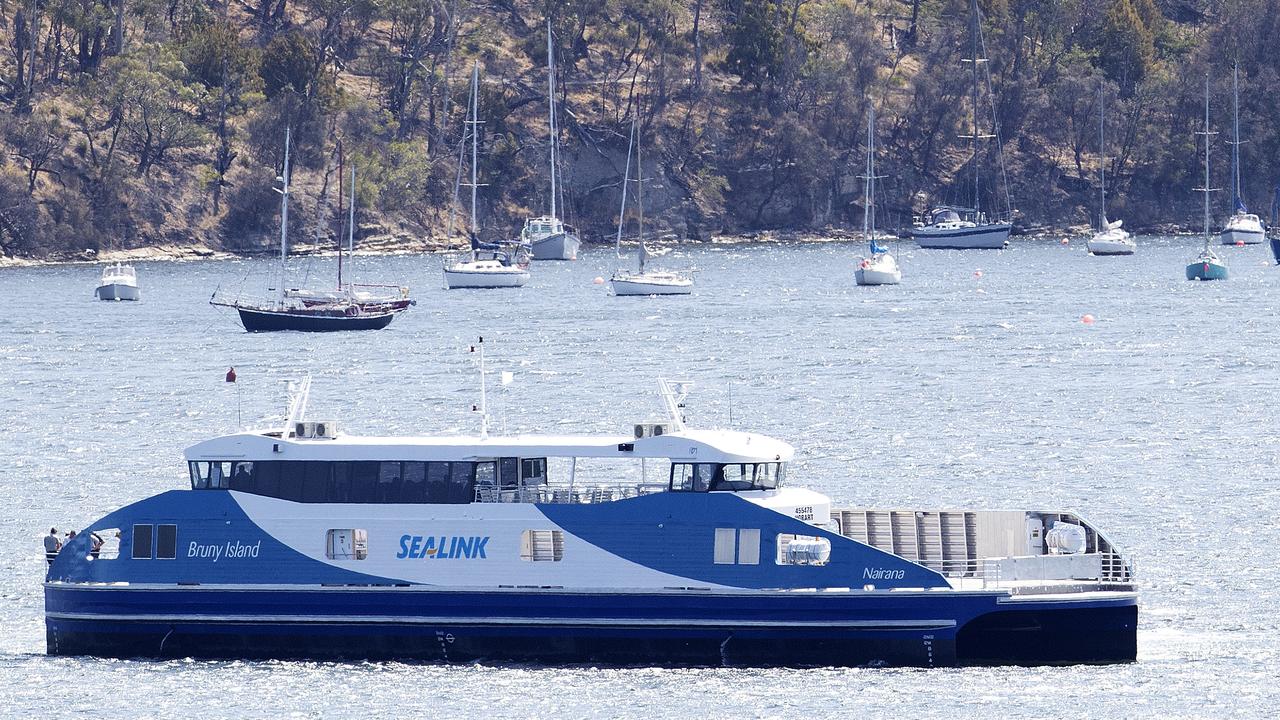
<point>128,123</point>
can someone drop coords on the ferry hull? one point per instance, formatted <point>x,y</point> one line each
<point>547,627</point>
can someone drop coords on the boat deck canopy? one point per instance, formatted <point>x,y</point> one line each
<point>712,446</point>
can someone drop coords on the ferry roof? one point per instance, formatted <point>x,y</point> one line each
<point>718,446</point>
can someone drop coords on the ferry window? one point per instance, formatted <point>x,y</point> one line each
<point>462,482</point>
<point>346,544</point>
<point>437,482</point>
<point>199,475</point>
<point>749,546</point>
<point>533,471</point>
<point>340,482</point>
<point>507,469</point>
<point>732,477</point>
<point>724,551</point>
<point>542,545</point>
<point>414,489</point>
<point>681,477</point>
<point>767,476</point>
<point>266,479</point>
<point>388,482</point>
<point>166,542</point>
<point>141,542</point>
<point>315,482</point>
<point>364,476</point>
<point>219,473</point>
<point>803,550</point>
<point>241,477</point>
<point>291,476</point>
<point>704,474</point>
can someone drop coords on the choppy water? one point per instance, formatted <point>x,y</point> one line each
<point>950,390</point>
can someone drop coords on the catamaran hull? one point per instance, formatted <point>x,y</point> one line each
<point>266,321</point>
<point>561,246</point>
<point>117,291</point>
<point>1237,237</point>
<point>985,237</point>
<point>850,628</point>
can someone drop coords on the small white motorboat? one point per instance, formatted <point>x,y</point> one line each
<point>119,282</point>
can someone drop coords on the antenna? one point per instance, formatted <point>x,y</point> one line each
<point>484,400</point>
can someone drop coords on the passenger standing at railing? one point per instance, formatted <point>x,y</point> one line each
<point>51,545</point>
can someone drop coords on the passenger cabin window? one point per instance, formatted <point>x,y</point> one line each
<point>731,477</point>
<point>314,481</point>
<point>141,542</point>
<point>166,542</point>
<point>346,544</point>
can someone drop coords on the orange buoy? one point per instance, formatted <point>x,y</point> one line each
<point>1087,319</point>
<point>977,273</point>
<point>1239,243</point>
<point>1065,241</point>
<point>598,281</point>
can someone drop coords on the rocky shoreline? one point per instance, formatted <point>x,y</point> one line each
<point>405,245</point>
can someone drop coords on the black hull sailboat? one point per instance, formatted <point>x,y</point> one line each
<point>314,319</point>
<point>350,307</point>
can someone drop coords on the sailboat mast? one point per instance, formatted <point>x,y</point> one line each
<point>475,110</point>
<point>351,220</point>
<point>284,214</point>
<point>626,180</point>
<point>973,37</point>
<point>871,171</point>
<point>1206,161</point>
<point>640,197</point>
<point>340,169</point>
<point>866,183</point>
<point>551,113</point>
<point>1235,146</point>
<point>1102,156</point>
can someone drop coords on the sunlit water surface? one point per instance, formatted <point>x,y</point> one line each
<point>975,383</point>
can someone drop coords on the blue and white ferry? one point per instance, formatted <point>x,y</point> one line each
<point>663,545</point>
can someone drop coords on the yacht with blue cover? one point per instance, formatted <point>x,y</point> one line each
<point>663,545</point>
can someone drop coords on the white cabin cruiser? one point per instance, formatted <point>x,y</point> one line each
<point>666,545</point>
<point>118,282</point>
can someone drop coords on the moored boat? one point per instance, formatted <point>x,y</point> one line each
<point>547,237</point>
<point>881,268</point>
<point>1244,227</point>
<point>642,281</point>
<point>948,227</point>
<point>118,282</point>
<point>694,547</point>
<point>1111,238</point>
<point>1207,265</point>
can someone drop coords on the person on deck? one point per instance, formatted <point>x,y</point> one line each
<point>51,545</point>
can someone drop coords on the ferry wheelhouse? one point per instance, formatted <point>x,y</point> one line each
<point>663,545</point>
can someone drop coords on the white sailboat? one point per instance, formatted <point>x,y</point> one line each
<point>961,228</point>
<point>881,268</point>
<point>1111,238</point>
<point>118,282</point>
<point>547,237</point>
<point>643,281</point>
<point>497,268</point>
<point>1244,227</point>
<point>1207,265</point>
